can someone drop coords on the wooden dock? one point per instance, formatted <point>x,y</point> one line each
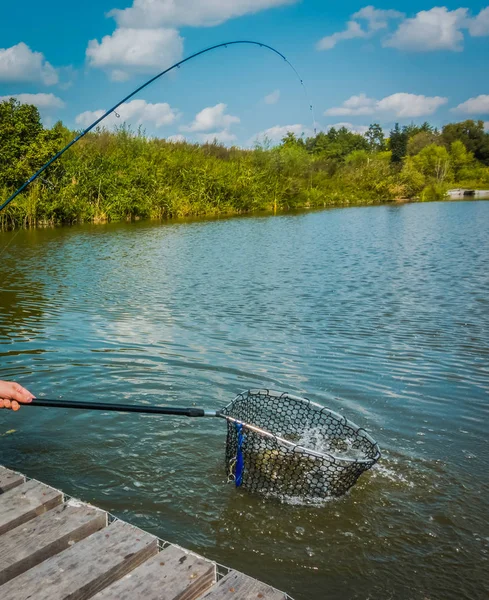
<point>55,548</point>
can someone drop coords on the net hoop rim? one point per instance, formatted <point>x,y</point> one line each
<point>323,409</point>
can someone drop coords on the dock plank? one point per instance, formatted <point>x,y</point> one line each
<point>171,575</point>
<point>9,479</point>
<point>37,540</point>
<point>86,568</point>
<point>238,586</point>
<point>24,502</point>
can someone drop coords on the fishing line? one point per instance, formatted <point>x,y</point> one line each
<point>141,87</point>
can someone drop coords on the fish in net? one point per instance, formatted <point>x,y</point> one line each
<point>289,447</point>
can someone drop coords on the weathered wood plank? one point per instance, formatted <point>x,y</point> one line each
<point>237,586</point>
<point>86,568</point>
<point>171,575</point>
<point>24,502</point>
<point>9,479</point>
<point>29,544</point>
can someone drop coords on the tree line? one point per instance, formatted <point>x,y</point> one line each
<point>124,174</point>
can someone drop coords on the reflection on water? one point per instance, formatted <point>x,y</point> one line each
<point>380,313</point>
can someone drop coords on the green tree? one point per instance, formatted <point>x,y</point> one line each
<point>20,127</point>
<point>291,140</point>
<point>460,159</point>
<point>420,140</point>
<point>473,136</point>
<point>413,129</point>
<point>375,138</point>
<point>434,163</point>
<point>398,140</point>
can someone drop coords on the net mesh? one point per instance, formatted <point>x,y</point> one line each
<point>294,448</point>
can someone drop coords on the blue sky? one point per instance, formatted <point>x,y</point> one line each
<point>387,62</point>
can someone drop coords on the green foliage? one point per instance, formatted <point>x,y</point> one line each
<point>412,130</point>
<point>118,175</point>
<point>336,143</point>
<point>398,141</point>
<point>461,160</point>
<point>412,179</point>
<point>422,139</point>
<point>375,138</point>
<point>472,135</point>
<point>434,191</point>
<point>291,140</point>
<point>434,163</point>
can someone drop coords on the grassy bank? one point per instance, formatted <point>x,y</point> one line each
<point>125,175</point>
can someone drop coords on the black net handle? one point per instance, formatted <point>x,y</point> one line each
<point>128,408</point>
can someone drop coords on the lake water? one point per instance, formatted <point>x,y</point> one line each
<point>380,313</point>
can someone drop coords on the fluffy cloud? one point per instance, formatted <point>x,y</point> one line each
<point>410,105</point>
<point>356,105</point>
<point>135,50</point>
<point>479,26</point>
<point>375,21</point>
<point>277,133</point>
<point>176,139</point>
<point>42,101</point>
<point>20,63</point>
<point>474,106</point>
<point>136,112</point>
<point>195,13</point>
<point>146,38</point>
<point>211,118</point>
<point>400,105</point>
<point>272,98</point>
<point>353,30</point>
<point>435,29</point>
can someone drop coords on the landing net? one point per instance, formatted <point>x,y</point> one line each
<point>286,446</point>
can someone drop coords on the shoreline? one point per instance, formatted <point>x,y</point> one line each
<point>217,216</point>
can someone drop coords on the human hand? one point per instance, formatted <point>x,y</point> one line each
<point>12,395</point>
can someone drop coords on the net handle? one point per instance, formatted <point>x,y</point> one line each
<point>128,408</point>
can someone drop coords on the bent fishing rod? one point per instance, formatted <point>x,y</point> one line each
<point>141,87</point>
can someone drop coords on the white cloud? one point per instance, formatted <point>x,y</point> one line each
<point>375,20</point>
<point>140,50</point>
<point>211,118</point>
<point>474,106</point>
<point>176,139</point>
<point>86,118</point>
<point>136,112</point>
<point>435,29</point>
<point>42,101</point>
<point>410,105</point>
<point>355,105</point>
<point>224,137</point>
<point>486,126</point>
<point>272,98</point>
<point>20,63</point>
<point>119,75</point>
<point>195,13</point>
<point>353,30</point>
<point>400,105</point>
<point>479,26</point>
<point>277,133</point>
